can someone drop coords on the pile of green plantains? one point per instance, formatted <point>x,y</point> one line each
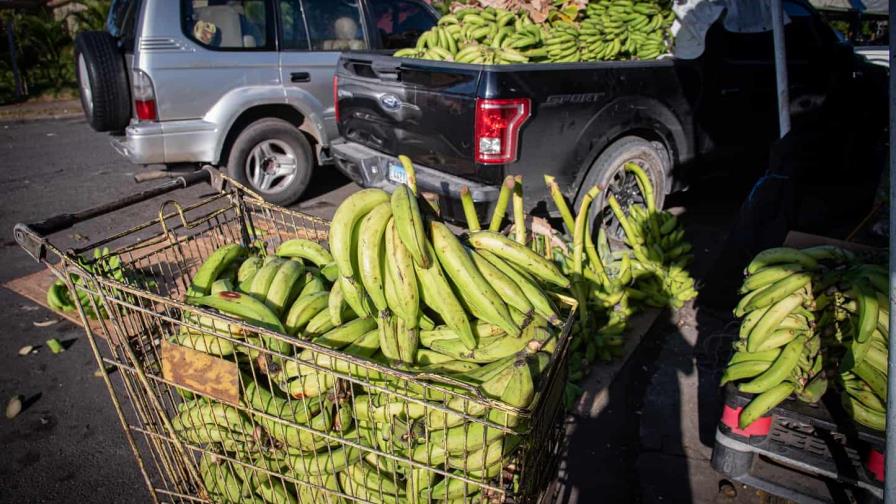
<point>396,288</point>
<point>605,30</point>
<point>59,296</point>
<point>813,317</point>
<point>326,407</point>
<point>649,269</point>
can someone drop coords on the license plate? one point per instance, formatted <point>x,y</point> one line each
<point>397,173</point>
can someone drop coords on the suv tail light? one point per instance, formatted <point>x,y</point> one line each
<point>144,96</point>
<point>497,128</point>
<point>336,97</point>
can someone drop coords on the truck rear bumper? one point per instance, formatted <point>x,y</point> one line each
<point>144,144</point>
<point>370,168</point>
<point>190,141</point>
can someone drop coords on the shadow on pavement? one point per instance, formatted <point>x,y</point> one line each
<point>324,180</point>
<point>653,441</point>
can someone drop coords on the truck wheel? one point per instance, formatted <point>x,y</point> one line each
<point>273,158</point>
<point>608,171</point>
<point>103,81</point>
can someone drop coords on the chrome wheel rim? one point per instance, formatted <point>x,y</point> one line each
<point>271,166</point>
<point>84,81</point>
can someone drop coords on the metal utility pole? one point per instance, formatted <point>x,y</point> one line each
<point>890,453</point>
<point>781,68</point>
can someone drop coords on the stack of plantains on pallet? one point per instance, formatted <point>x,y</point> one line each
<point>812,316</point>
<point>605,30</point>
<point>816,328</point>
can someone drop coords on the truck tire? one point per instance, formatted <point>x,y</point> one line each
<point>273,158</point>
<point>103,81</point>
<point>608,171</point>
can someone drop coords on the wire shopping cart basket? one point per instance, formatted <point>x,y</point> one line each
<point>213,414</point>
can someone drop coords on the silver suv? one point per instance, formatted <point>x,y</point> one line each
<point>246,85</point>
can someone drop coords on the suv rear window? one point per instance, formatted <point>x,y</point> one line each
<point>293,32</point>
<point>400,22</point>
<point>334,25</point>
<point>243,25</point>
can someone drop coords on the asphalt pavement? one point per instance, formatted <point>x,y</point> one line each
<point>652,442</point>
<point>68,444</point>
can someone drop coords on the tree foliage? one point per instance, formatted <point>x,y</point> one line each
<point>45,47</point>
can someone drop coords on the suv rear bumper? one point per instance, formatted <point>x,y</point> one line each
<point>169,142</point>
<point>369,168</point>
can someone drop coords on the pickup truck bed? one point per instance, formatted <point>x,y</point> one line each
<point>427,111</point>
<point>579,122</point>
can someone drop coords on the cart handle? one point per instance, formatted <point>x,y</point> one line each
<point>32,237</point>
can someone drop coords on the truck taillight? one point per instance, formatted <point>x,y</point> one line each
<point>144,96</point>
<point>497,128</point>
<point>336,97</point>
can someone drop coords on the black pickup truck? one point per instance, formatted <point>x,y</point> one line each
<point>472,125</point>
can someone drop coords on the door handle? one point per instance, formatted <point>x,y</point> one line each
<point>300,77</point>
<point>387,72</point>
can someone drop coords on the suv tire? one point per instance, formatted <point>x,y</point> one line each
<point>274,159</point>
<point>103,81</point>
<point>608,172</point>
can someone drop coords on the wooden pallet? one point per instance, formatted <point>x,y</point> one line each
<point>35,286</point>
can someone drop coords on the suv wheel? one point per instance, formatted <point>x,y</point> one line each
<point>103,81</point>
<point>609,172</point>
<point>273,158</point>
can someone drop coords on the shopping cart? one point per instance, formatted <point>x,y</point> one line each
<point>212,428</point>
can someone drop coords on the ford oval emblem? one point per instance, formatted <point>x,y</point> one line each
<point>390,102</point>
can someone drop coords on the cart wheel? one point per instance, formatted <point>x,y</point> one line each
<point>608,171</point>
<point>274,159</point>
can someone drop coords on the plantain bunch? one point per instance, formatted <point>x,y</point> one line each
<point>623,29</point>
<point>606,30</point>
<point>660,254</point>
<point>608,286</point>
<point>479,315</point>
<point>812,318</point>
<point>479,36</point>
<point>104,263</point>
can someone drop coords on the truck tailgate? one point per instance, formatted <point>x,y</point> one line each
<point>422,109</point>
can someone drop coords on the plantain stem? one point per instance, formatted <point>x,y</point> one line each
<point>603,244</point>
<point>651,217</point>
<point>501,205</point>
<point>623,221</point>
<point>519,216</point>
<point>592,276</point>
<point>410,171</point>
<point>581,227</point>
<point>469,209</point>
<point>55,346</point>
<point>644,184</point>
<point>432,200</point>
<point>560,203</point>
<point>594,257</point>
<point>535,244</point>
